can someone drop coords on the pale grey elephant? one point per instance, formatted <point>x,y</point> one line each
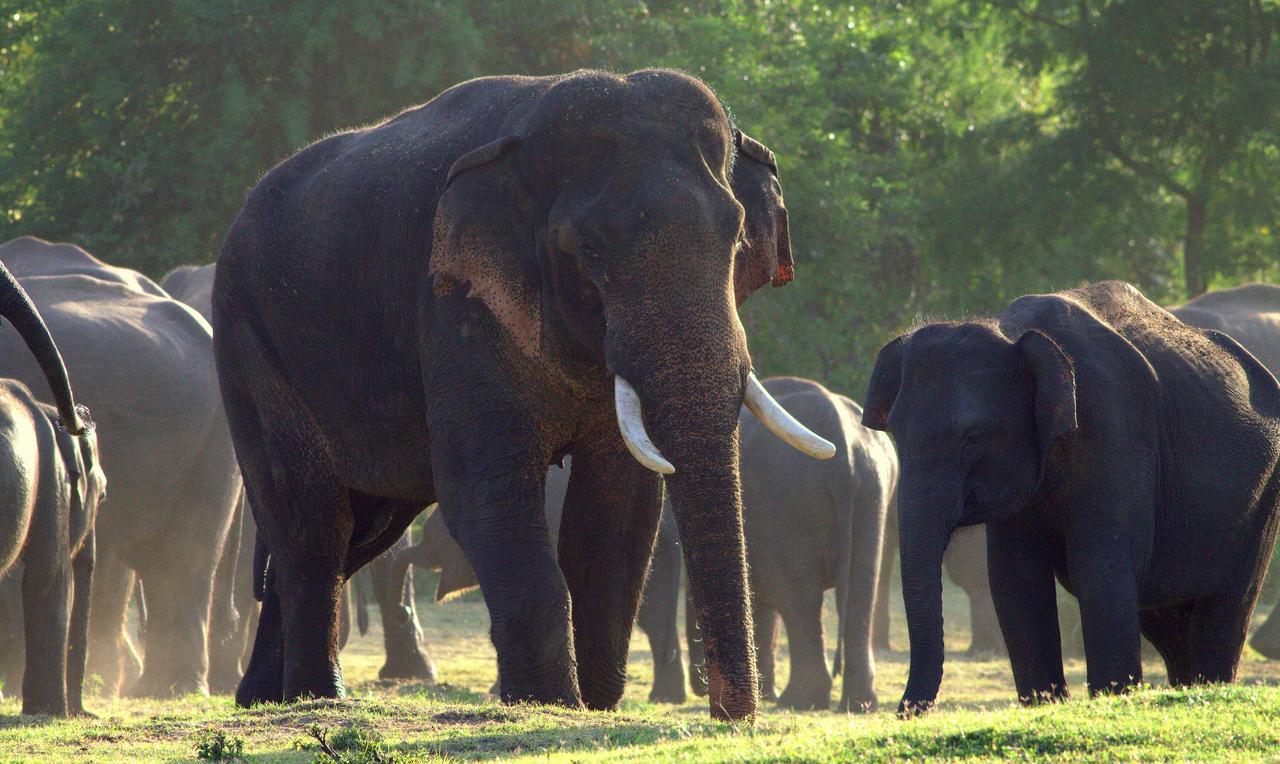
<point>235,608</point>
<point>144,364</point>
<point>1251,315</point>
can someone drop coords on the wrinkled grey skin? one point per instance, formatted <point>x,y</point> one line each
<point>657,617</point>
<point>811,526</point>
<point>1251,315</point>
<point>235,610</point>
<point>144,364</point>
<point>966,565</point>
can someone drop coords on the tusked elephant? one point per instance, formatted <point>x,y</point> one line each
<point>437,550</point>
<point>234,604</point>
<point>143,362</point>
<point>51,484</point>
<point>812,526</point>
<point>1101,441</point>
<point>1251,315</point>
<point>437,307</point>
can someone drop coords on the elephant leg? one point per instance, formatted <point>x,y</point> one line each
<point>112,656</point>
<point>858,693</point>
<point>346,606</point>
<point>489,476</point>
<point>1108,596</point>
<point>611,514</point>
<point>1266,639</point>
<point>78,636</point>
<point>658,615</point>
<point>765,621</point>
<point>177,636</point>
<point>225,642</point>
<point>1169,629</point>
<point>12,648</point>
<point>884,589</point>
<point>1025,598</point>
<point>984,627</point>
<point>263,680</point>
<point>405,657</point>
<point>697,652</point>
<point>46,602</point>
<point>809,687</point>
<point>1220,623</point>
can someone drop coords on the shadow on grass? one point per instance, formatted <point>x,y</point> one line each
<point>11,721</point>
<point>483,744</point>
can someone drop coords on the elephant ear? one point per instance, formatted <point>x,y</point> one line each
<point>1055,389</point>
<point>483,243</point>
<point>886,379</point>
<point>765,256</point>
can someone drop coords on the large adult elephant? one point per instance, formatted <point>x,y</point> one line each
<point>1251,315</point>
<point>1105,442</point>
<point>144,363</point>
<point>437,550</point>
<point>437,307</point>
<point>234,604</point>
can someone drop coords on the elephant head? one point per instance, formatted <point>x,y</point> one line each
<point>974,415</point>
<point>635,247</point>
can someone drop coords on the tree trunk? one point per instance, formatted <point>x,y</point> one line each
<point>1193,264</point>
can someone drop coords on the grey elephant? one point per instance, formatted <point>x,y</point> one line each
<point>1251,315</point>
<point>235,609</point>
<point>51,484</point>
<point>144,363</point>
<point>811,526</point>
<point>657,616</point>
<point>1103,443</point>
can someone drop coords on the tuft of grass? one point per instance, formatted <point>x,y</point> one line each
<point>217,745</point>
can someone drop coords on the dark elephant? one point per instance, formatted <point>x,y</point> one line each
<point>437,307</point>
<point>966,565</point>
<point>144,363</point>
<point>50,486</point>
<point>1251,315</point>
<point>437,550</point>
<point>1104,442</point>
<point>813,526</point>
<point>234,604</point>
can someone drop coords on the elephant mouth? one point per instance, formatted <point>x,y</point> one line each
<point>756,399</point>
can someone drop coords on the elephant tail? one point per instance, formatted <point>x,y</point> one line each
<point>16,306</point>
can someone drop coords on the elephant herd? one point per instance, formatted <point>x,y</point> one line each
<point>518,302</point>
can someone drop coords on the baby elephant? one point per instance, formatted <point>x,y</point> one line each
<point>1104,442</point>
<point>50,488</point>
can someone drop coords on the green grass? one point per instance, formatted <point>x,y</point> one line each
<point>457,720</point>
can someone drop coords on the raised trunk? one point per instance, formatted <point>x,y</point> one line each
<point>924,527</point>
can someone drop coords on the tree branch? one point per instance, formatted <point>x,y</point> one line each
<point>1143,169</point>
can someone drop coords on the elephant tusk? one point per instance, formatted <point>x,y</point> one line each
<point>626,402</point>
<point>780,423</point>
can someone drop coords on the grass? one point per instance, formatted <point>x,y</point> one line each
<point>457,720</point>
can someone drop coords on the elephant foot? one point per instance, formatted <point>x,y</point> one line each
<point>413,665</point>
<point>858,704</point>
<point>806,699</point>
<point>152,686</point>
<point>224,681</point>
<point>668,690</point>
<point>697,682</point>
<point>258,689</point>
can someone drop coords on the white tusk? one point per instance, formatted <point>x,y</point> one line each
<point>626,402</point>
<point>780,423</point>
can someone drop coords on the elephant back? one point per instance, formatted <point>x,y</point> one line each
<point>28,256</point>
<point>1249,313</point>
<point>193,285</point>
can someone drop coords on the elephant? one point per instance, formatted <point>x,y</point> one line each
<point>143,362</point>
<point>51,483</point>
<point>966,566</point>
<point>234,605</point>
<point>1251,315</point>
<point>657,617</point>
<point>811,526</point>
<point>437,307</point>
<point>1102,442</point>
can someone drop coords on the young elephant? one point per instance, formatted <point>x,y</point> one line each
<point>50,487</point>
<point>1102,441</point>
<point>811,526</point>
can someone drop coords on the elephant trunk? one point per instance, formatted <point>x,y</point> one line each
<point>923,530</point>
<point>16,306</point>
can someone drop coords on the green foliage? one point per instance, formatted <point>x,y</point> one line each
<point>217,745</point>
<point>939,157</point>
<point>351,745</point>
